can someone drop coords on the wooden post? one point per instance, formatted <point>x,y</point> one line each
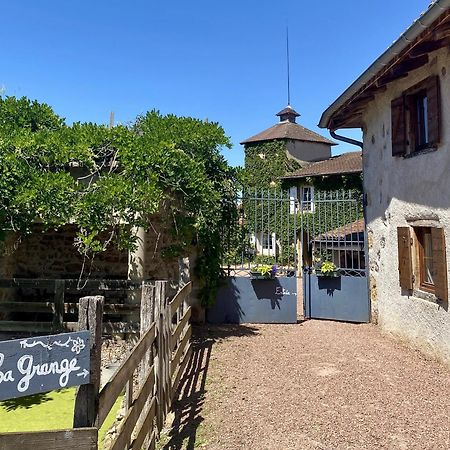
<point>147,306</point>
<point>162,320</point>
<point>58,312</point>
<point>147,319</point>
<point>90,317</point>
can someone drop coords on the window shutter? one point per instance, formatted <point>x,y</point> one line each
<point>439,264</point>
<point>398,127</point>
<point>405,257</point>
<point>434,110</point>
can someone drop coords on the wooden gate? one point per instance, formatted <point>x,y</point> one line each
<point>150,376</point>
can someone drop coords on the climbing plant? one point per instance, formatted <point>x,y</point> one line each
<point>108,181</point>
<point>265,163</point>
<point>266,208</point>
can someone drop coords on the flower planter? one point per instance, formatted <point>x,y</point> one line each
<point>260,276</point>
<point>333,274</point>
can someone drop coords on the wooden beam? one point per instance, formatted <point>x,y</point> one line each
<point>108,327</point>
<point>179,298</point>
<point>42,307</point>
<point>428,47</point>
<point>179,329</point>
<point>180,371</point>
<point>25,327</point>
<point>146,428</point>
<point>72,439</point>
<point>180,350</point>
<point>128,423</point>
<point>401,69</point>
<point>442,32</point>
<point>115,386</point>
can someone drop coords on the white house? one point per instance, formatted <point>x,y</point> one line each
<point>402,104</point>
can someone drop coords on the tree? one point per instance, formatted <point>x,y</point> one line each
<point>110,181</point>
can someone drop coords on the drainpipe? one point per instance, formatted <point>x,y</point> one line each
<point>346,139</point>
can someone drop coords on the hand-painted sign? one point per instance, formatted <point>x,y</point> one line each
<point>42,364</point>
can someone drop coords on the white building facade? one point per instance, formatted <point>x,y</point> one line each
<point>402,103</point>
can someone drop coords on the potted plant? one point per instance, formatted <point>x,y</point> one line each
<point>327,269</point>
<point>264,272</point>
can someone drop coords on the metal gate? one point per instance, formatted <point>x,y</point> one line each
<point>260,261</point>
<point>333,248</point>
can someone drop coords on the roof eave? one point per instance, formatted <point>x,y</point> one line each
<point>250,141</point>
<point>311,175</point>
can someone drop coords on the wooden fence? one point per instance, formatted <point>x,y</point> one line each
<point>51,306</point>
<point>150,376</point>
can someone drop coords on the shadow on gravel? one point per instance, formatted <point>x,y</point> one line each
<point>188,407</point>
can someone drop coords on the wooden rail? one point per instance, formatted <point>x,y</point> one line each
<point>52,309</point>
<point>160,357</point>
<point>155,366</point>
<point>74,439</point>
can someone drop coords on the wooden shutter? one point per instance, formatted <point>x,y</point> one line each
<point>398,126</point>
<point>439,264</point>
<point>405,266</point>
<point>434,110</point>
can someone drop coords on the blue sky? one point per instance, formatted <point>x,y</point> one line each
<point>225,61</point>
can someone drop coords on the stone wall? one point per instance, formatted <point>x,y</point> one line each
<point>398,189</point>
<point>52,254</point>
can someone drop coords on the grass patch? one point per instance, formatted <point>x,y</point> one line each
<point>47,411</point>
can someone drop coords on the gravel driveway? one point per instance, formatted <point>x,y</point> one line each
<point>314,385</point>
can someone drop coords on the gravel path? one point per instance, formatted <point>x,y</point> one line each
<point>315,385</point>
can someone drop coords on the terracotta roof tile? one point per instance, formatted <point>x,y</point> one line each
<point>288,130</point>
<point>288,111</point>
<point>346,163</point>
<point>345,232</point>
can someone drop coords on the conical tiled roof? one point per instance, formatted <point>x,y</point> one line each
<point>288,129</point>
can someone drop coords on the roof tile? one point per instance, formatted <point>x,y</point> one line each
<point>346,163</point>
<point>288,130</point>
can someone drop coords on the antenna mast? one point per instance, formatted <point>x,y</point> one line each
<point>288,68</point>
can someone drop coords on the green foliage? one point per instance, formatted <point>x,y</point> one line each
<point>25,114</point>
<point>110,181</point>
<point>264,270</point>
<point>337,182</point>
<point>327,267</point>
<point>264,259</point>
<point>265,163</point>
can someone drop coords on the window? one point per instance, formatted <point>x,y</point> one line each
<point>422,260</point>
<point>419,117</point>
<point>425,258</point>
<point>293,200</point>
<point>307,198</point>
<point>267,242</point>
<point>416,118</point>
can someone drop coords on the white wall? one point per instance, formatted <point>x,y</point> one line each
<point>308,151</point>
<point>399,189</point>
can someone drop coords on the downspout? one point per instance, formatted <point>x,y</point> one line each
<point>346,139</point>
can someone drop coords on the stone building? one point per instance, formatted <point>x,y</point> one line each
<point>402,104</point>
